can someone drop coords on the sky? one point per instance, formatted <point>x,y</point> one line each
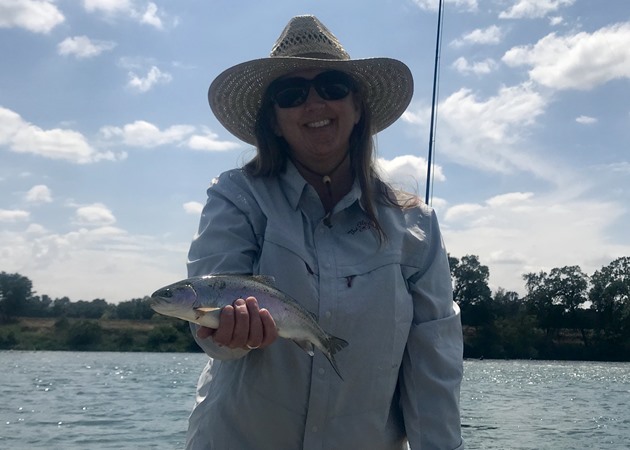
<point>107,142</point>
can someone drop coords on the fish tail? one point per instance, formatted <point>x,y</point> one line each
<point>333,344</point>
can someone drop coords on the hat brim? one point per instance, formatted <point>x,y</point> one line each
<point>236,94</point>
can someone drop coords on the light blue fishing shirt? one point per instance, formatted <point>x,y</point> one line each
<point>392,302</point>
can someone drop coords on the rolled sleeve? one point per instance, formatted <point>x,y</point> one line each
<point>432,366</point>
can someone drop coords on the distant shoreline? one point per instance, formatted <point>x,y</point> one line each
<point>165,334</point>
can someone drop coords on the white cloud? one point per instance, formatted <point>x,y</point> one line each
<point>83,47</point>
<point>512,199</point>
<point>210,142</point>
<point>486,36</point>
<point>35,229</point>
<point>586,120</point>
<point>92,262</point>
<point>107,6</point>
<point>154,76</point>
<point>39,194</point>
<point>145,14</point>
<point>13,215</point>
<point>488,134</point>
<point>407,172</point>
<point>193,208</point>
<point>622,167</point>
<point>534,8</point>
<point>38,16</point>
<point>150,16</point>
<point>462,211</point>
<point>23,137</point>
<point>144,134</point>
<point>96,214</point>
<point>484,67</point>
<point>577,61</point>
<point>517,233</point>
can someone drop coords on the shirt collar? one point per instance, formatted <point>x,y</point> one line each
<point>295,185</point>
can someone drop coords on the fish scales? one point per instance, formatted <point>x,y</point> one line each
<point>200,300</point>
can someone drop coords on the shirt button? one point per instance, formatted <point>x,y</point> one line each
<point>315,429</point>
<point>321,371</point>
<point>328,314</point>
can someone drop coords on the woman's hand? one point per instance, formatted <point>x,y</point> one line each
<point>243,325</point>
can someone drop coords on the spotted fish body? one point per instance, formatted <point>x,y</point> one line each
<point>200,300</point>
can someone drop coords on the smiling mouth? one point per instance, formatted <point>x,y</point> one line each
<point>319,123</point>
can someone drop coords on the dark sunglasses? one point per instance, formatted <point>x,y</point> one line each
<point>292,92</point>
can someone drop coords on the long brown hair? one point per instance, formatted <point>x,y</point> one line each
<point>272,153</point>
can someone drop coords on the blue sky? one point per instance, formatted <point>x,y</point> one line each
<point>107,143</point>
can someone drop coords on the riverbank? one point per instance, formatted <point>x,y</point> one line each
<point>159,334</point>
<point>165,334</point>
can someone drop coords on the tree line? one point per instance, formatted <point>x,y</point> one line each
<point>565,314</point>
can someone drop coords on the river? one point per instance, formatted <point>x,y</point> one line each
<point>72,401</point>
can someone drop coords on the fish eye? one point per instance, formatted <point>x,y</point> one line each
<point>166,293</point>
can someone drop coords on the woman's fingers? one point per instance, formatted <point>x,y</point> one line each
<point>270,332</point>
<point>205,332</point>
<point>223,334</point>
<point>243,325</point>
<point>255,336</point>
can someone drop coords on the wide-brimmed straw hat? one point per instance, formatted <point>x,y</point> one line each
<point>236,94</point>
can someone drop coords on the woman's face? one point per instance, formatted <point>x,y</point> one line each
<point>318,131</point>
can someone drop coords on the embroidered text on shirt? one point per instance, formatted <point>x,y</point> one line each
<point>362,225</point>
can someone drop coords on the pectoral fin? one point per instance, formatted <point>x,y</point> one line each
<point>207,310</point>
<point>207,316</point>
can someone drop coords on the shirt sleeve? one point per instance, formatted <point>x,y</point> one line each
<point>225,243</point>
<point>432,366</point>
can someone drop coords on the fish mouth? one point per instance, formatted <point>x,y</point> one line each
<point>167,297</point>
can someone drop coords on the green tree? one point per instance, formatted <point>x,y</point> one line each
<point>87,310</point>
<point>84,335</point>
<point>135,309</point>
<point>610,298</point>
<point>60,307</point>
<point>568,287</point>
<point>539,299</point>
<point>15,290</point>
<point>470,289</point>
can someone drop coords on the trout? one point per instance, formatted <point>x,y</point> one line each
<point>200,300</point>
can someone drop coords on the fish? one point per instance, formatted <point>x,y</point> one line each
<point>200,300</point>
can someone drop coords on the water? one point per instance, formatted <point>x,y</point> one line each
<point>72,401</point>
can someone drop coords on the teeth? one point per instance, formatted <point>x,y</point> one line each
<point>321,123</point>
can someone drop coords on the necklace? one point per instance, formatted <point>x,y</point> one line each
<point>326,180</point>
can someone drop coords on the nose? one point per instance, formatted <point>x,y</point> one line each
<point>313,98</point>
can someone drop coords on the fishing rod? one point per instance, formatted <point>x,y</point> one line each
<point>438,47</point>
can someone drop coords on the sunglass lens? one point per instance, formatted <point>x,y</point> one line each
<point>333,91</point>
<point>333,85</point>
<point>292,92</point>
<point>290,97</point>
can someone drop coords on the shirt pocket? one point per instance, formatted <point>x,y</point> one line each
<point>375,311</point>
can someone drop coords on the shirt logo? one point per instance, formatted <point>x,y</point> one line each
<point>362,225</point>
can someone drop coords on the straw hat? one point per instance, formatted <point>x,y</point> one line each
<point>236,94</point>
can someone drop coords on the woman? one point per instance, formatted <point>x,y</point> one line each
<point>368,262</point>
